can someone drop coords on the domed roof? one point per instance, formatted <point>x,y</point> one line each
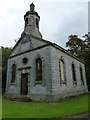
<point>31,11</point>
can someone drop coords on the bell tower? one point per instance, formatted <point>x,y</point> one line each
<point>32,22</point>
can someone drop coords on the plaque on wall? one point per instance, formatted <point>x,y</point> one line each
<point>25,39</point>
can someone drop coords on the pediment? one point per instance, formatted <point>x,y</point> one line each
<point>27,42</point>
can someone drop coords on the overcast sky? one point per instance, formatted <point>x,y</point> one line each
<point>58,19</point>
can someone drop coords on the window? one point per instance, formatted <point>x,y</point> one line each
<point>37,23</point>
<point>62,72</point>
<point>73,73</point>
<point>26,22</point>
<point>13,73</point>
<point>25,60</point>
<point>81,75</point>
<point>38,69</point>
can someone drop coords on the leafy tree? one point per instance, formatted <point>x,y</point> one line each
<point>87,57</point>
<point>75,45</point>
<point>81,49</point>
<point>5,53</point>
<point>87,40</point>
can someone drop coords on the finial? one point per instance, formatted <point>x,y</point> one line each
<point>32,7</point>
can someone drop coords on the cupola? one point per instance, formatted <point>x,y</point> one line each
<point>32,22</point>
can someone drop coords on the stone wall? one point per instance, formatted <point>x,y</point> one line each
<point>68,89</point>
<point>50,89</point>
<point>35,91</point>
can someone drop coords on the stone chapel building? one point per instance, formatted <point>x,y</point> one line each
<point>40,69</point>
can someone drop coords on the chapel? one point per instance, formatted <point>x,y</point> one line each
<point>40,69</point>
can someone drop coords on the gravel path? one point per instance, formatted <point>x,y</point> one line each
<point>85,116</point>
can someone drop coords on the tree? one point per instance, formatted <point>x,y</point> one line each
<point>87,57</point>
<point>5,53</point>
<point>75,46</point>
<point>81,49</point>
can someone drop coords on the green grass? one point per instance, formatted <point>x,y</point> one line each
<point>0,106</point>
<point>74,106</point>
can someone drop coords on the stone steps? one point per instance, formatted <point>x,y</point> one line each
<point>22,99</point>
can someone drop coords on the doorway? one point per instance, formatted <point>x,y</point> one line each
<point>24,84</point>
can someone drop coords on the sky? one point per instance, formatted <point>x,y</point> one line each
<point>58,19</point>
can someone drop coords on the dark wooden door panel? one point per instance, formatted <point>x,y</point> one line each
<point>24,84</point>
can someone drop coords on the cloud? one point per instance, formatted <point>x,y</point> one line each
<point>70,18</point>
<point>58,20</point>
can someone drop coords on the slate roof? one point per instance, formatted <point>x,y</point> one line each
<point>48,44</point>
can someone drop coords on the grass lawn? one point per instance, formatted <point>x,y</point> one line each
<point>0,106</point>
<point>74,106</point>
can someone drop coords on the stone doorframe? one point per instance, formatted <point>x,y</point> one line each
<point>24,70</point>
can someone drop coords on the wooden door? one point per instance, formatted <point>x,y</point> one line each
<point>24,84</point>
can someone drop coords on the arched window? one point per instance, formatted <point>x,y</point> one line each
<point>62,72</point>
<point>38,69</point>
<point>37,23</point>
<point>81,75</point>
<point>26,22</point>
<point>74,74</point>
<point>13,73</point>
